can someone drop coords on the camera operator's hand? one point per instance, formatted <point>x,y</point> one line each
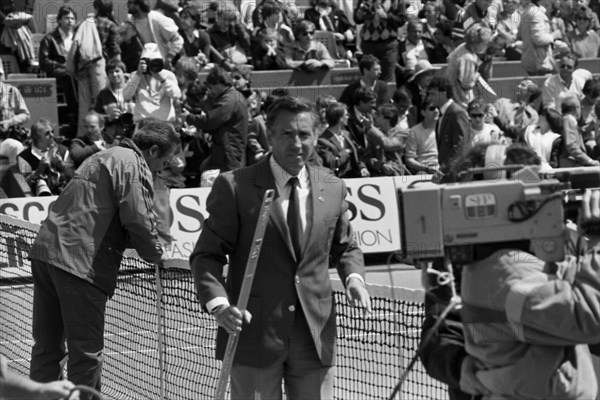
<point>142,67</point>
<point>231,318</point>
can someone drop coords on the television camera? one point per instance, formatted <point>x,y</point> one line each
<point>450,219</point>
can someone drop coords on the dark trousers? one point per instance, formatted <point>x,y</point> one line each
<point>387,53</point>
<point>67,83</point>
<point>66,307</point>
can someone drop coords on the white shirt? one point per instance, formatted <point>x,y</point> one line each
<point>11,148</point>
<point>555,89</point>
<point>67,39</point>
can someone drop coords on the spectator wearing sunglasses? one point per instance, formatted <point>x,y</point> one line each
<point>421,152</point>
<point>479,130</point>
<point>240,74</point>
<point>305,53</point>
<point>569,79</point>
<point>574,150</point>
<point>584,42</point>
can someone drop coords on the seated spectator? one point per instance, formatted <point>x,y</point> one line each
<point>289,12</point>
<point>43,162</point>
<point>91,142</point>
<point>335,147</point>
<point>401,100</point>
<point>273,24</point>
<point>107,30</point>
<point>195,39</point>
<point>411,50</point>
<point>370,70</point>
<point>432,13</point>
<point>322,104</point>
<point>186,71</point>
<point>241,79</point>
<point>584,42</point>
<point>480,131</point>
<point>266,53</point>
<point>384,157</point>
<point>574,150</point>
<point>306,53</point>
<point>327,16</point>
<point>508,25</point>
<point>443,43</point>
<point>464,62</point>
<point>257,145</point>
<point>516,115</point>
<point>118,114</point>
<point>360,119</point>
<point>588,120</point>
<point>153,86</point>
<point>14,111</point>
<point>421,148</point>
<point>569,79</point>
<point>54,49</point>
<point>230,38</point>
<point>545,138</point>
<point>416,88</point>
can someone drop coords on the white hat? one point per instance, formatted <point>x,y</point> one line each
<point>151,51</point>
<point>422,67</point>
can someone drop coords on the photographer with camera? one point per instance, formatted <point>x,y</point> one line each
<point>526,323</point>
<point>42,164</point>
<point>153,86</point>
<point>13,114</point>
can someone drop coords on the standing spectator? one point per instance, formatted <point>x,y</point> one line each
<point>287,332</point>
<point>431,12</point>
<point>107,30</point>
<point>54,49</point>
<point>411,50</point>
<point>154,27</point>
<point>537,37</point>
<point>584,42</point>
<point>230,37</point>
<point>545,137</point>
<point>77,253</point>
<point>379,33</point>
<point>226,122</point>
<point>266,52</point>
<point>508,25</point>
<point>195,39</point>
<point>453,125</point>
<point>153,86</point>
<point>569,79</point>
<point>336,148</point>
<point>421,149</point>
<point>118,120</point>
<point>91,142</point>
<point>370,70</point>
<point>574,150</point>
<point>480,131</point>
<point>464,62</point>
<point>306,53</point>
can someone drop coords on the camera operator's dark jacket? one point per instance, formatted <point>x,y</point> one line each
<point>227,122</point>
<point>105,208</point>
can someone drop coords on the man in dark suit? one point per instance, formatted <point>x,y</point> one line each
<point>360,118</point>
<point>289,327</point>
<point>453,124</point>
<point>370,70</point>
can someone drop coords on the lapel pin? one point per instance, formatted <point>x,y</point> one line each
<point>321,199</point>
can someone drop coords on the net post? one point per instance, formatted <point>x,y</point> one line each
<point>160,330</point>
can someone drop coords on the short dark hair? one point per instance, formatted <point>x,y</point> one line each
<point>218,75</point>
<point>152,132</point>
<point>193,13</point>
<point>389,112</point>
<point>65,10</point>
<point>104,8</point>
<point>302,26</point>
<point>290,104</point>
<point>442,84</point>
<point>554,119</point>
<point>363,94</point>
<point>274,95</point>
<point>114,64</point>
<point>367,62</point>
<point>269,8</point>
<point>144,7</point>
<point>569,104</point>
<point>400,96</point>
<point>477,104</point>
<point>334,112</point>
<point>591,88</point>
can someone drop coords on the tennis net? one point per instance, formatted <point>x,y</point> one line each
<point>165,349</point>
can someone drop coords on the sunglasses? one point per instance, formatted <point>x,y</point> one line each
<point>49,133</point>
<point>432,108</point>
<point>237,77</point>
<point>308,33</point>
<point>567,67</point>
<point>477,115</point>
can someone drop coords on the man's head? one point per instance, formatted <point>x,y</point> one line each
<point>430,112</point>
<point>570,105</point>
<point>304,31</point>
<point>414,31</point>
<point>364,99</point>
<point>217,81</point>
<point>401,101</point>
<point>336,113</point>
<point>93,124</point>
<point>186,70</point>
<point>115,70</point>
<point>476,110</point>
<point>225,19</point>
<point>369,67</point>
<point>42,134</point>
<point>291,124</point>
<point>432,12</point>
<point>439,90</point>
<point>137,8</point>
<point>568,64</point>
<point>104,8</point>
<point>267,38</point>
<point>482,5</point>
<point>386,117</point>
<point>158,142</point>
<point>477,38</point>
<point>527,91</point>
<point>190,18</point>
<point>271,12</point>
<point>66,18</point>
<point>591,89</point>
<point>241,77</point>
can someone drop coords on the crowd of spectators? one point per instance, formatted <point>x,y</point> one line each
<point>150,65</point>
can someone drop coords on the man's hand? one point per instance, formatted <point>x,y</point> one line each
<point>142,67</point>
<point>357,295</point>
<point>312,64</point>
<point>55,390</point>
<point>231,318</point>
<point>365,173</point>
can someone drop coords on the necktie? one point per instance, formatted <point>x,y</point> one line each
<point>293,216</point>
<point>327,23</point>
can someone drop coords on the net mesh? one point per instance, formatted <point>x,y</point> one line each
<point>372,351</point>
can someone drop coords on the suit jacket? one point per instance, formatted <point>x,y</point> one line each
<point>381,90</point>
<point>52,54</point>
<point>343,164</point>
<point>282,284</point>
<point>338,18</point>
<point>450,131</point>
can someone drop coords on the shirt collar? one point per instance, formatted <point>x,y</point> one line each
<point>282,176</point>
<point>37,152</point>
<point>64,35</point>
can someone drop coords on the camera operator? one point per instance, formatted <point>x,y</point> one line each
<point>526,323</point>
<point>42,164</point>
<point>13,114</point>
<point>154,87</point>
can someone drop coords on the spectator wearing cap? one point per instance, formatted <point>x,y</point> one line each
<point>195,39</point>
<point>464,62</point>
<point>569,79</point>
<point>574,150</point>
<point>417,87</point>
<point>370,71</point>
<point>479,130</point>
<point>514,116</point>
<point>154,87</point>
<point>584,42</point>
<point>306,53</point>
<point>538,37</point>
<point>266,52</point>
